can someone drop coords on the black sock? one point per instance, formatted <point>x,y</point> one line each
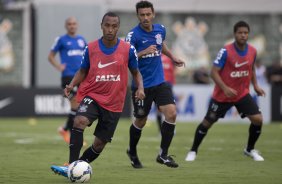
<point>200,133</point>
<point>76,142</point>
<point>167,135</point>
<point>90,154</point>
<point>159,120</point>
<point>70,120</point>
<point>254,133</point>
<point>134,134</point>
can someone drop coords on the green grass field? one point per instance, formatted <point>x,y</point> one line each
<point>30,146</point>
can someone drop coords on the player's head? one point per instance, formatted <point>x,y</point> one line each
<point>145,13</point>
<point>110,25</point>
<point>241,32</point>
<point>71,25</point>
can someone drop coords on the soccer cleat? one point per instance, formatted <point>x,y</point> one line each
<point>167,160</point>
<point>135,162</point>
<point>60,170</point>
<point>254,154</point>
<point>191,156</point>
<point>65,134</point>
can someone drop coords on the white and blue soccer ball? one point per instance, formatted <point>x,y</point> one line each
<point>79,172</point>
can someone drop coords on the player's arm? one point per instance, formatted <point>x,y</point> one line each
<point>51,57</point>
<point>257,89</point>
<point>130,38</point>
<point>218,65</point>
<point>81,74</point>
<point>165,50</point>
<point>136,75</point>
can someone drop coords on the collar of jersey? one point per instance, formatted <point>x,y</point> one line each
<point>241,52</point>
<point>106,50</point>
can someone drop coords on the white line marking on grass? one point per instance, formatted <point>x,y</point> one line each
<point>24,141</point>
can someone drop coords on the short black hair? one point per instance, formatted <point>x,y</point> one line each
<point>144,4</point>
<point>241,24</point>
<point>111,14</point>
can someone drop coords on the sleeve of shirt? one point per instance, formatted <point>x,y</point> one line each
<point>56,45</point>
<point>133,59</point>
<point>164,31</point>
<point>221,58</point>
<point>130,38</point>
<point>85,63</point>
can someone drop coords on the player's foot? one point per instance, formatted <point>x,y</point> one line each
<point>135,162</point>
<point>60,170</point>
<point>254,154</point>
<point>191,156</point>
<point>65,134</point>
<point>167,160</point>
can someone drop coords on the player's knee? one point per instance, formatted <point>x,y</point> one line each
<point>80,122</point>
<point>170,115</point>
<point>207,124</point>
<point>140,122</point>
<point>256,119</point>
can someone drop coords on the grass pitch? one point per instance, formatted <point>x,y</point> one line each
<point>28,147</point>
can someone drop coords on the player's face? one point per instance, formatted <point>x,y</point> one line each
<point>71,26</point>
<point>146,16</point>
<point>110,26</point>
<point>241,35</point>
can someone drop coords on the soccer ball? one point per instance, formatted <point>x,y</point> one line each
<point>79,171</point>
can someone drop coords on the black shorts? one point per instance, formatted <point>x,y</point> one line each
<point>160,94</point>
<point>107,120</point>
<point>65,81</point>
<point>245,107</point>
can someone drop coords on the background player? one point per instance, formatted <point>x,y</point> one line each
<point>148,39</point>
<point>70,46</point>
<point>103,77</point>
<point>233,70</point>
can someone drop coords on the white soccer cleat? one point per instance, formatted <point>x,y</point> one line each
<point>254,154</point>
<point>191,156</point>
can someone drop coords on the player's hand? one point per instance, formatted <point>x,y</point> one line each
<point>229,92</point>
<point>140,94</point>
<point>67,90</point>
<point>62,67</point>
<point>179,62</point>
<point>259,91</point>
<point>150,50</point>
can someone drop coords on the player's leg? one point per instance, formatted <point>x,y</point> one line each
<point>166,103</point>
<point>67,127</point>
<point>141,111</point>
<point>104,132</point>
<point>248,108</point>
<point>87,113</point>
<point>215,111</point>
<point>75,145</point>
<point>159,118</point>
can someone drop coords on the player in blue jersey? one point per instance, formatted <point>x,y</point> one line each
<point>70,46</point>
<point>148,39</point>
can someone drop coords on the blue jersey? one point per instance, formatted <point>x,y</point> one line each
<point>132,63</point>
<point>71,51</point>
<point>150,65</point>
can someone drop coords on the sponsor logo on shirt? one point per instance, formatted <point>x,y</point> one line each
<point>75,52</point>
<point>157,53</point>
<point>106,78</point>
<point>238,74</point>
